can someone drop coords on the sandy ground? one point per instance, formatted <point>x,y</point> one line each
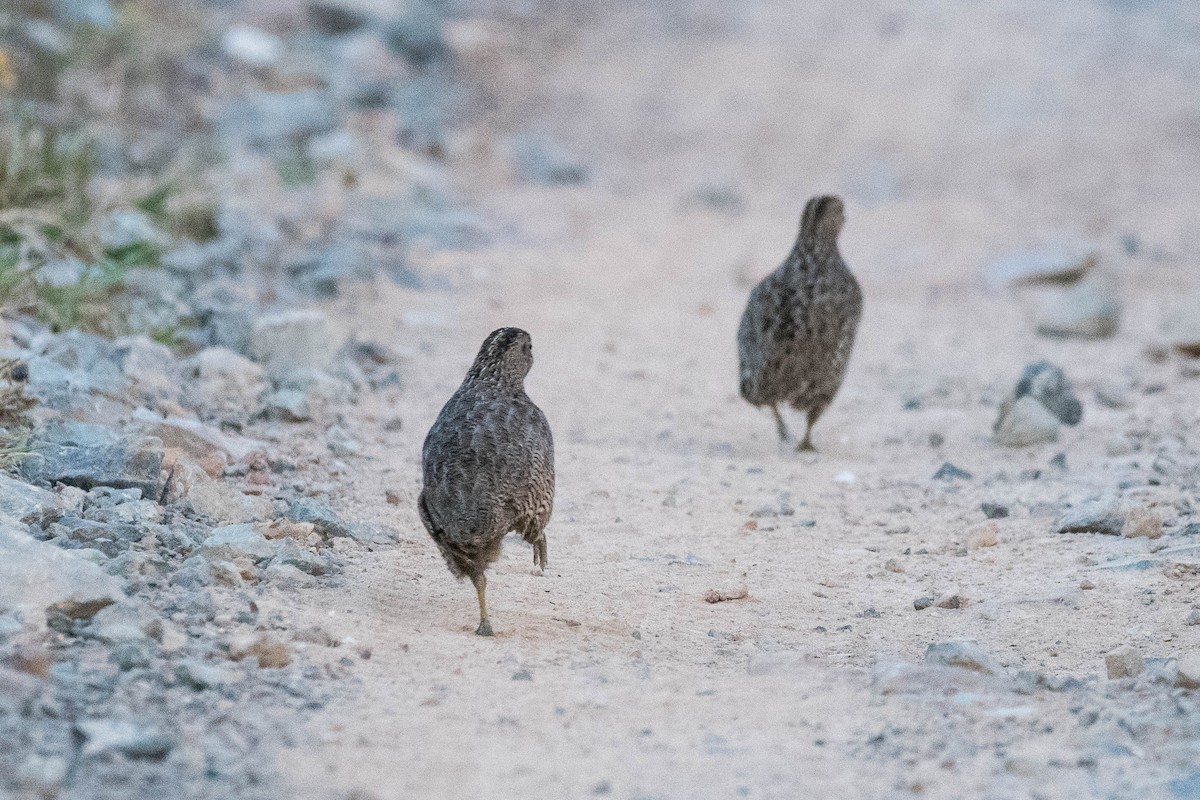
<point>956,133</point>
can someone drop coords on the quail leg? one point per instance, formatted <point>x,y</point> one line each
<point>806,446</point>
<point>485,627</point>
<point>779,426</point>
<point>539,553</point>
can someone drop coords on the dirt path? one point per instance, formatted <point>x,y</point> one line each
<point>611,675</point>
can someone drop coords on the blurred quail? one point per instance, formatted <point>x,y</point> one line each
<point>488,465</point>
<point>796,334</point>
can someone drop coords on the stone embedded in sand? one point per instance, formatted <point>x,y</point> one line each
<point>1102,516</point>
<point>1124,662</point>
<point>922,603</point>
<point>1142,522</point>
<point>953,601</point>
<point>964,655</point>
<point>1087,310</point>
<point>1193,618</point>
<point>949,472</point>
<point>1061,261</point>
<point>1026,423</point>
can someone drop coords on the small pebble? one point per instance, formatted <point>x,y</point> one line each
<point>1086,584</point>
<point>1124,662</point>
<point>994,510</point>
<point>922,603</point>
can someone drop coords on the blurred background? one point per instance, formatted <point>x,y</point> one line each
<point>153,150</point>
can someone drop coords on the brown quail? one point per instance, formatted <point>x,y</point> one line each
<point>488,465</point>
<point>798,329</point>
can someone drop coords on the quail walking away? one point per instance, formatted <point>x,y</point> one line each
<point>798,329</point>
<point>488,465</point>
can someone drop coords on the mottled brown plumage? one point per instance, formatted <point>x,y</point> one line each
<point>488,465</point>
<point>798,329</point>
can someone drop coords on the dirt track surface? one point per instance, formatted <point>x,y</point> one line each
<point>955,135</point>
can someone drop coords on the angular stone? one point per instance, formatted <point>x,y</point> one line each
<point>1188,675</point>
<point>1087,310</point>
<point>86,456</point>
<point>241,540</point>
<point>964,655</point>
<point>22,501</point>
<point>1059,261</point>
<point>1102,516</point>
<point>270,651</point>
<point>133,739</point>
<point>1025,423</point>
<point>1048,385</point>
<point>1123,662</point>
<point>37,578</point>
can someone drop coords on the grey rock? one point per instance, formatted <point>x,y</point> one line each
<point>287,405</point>
<point>37,577</point>
<point>67,368</point>
<point>716,197</point>
<point>1123,662</point>
<point>949,472</point>
<point>1111,395</point>
<point>251,46</point>
<point>1048,385</point>
<point>1161,671</point>
<point>1103,516</point>
<point>126,227</point>
<point>1193,618</point>
<point>62,272</point>
<point>151,368</point>
<point>334,18</point>
<point>289,341</point>
<point>134,739</point>
<point>538,159</point>
<point>1061,261</point>
<point>124,622</point>
<point>270,119</point>
<point>226,573</point>
<point>1188,675</point>
<point>1025,423</point>
<point>1088,310</point>
<point>341,443</point>
<point>199,675</point>
<point>131,655</point>
<point>240,540</point>
<point>301,558</point>
<point>417,34</point>
<point>85,455</point>
<point>994,510</point>
<point>21,501</point>
<point>1182,328</point>
<point>286,576</point>
<point>964,655</point>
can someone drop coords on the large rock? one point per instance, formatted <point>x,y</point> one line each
<point>290,341</point>
<point>1188,676</point>
<point>1094,516</point>
<point>1087,310</point>
<point>37,578</point>
<point>66,369</point>
<point>1124,662</point>
<point>21,501</point>
<point>1062,261</point>
<point>85,455</point>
